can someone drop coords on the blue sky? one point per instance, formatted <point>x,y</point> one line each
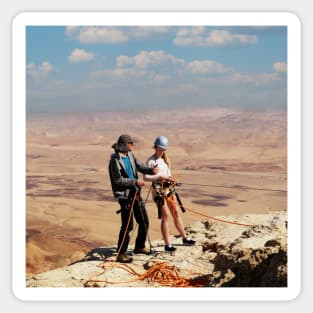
<point>92,68</point>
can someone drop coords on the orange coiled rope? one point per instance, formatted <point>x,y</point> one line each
<point>160,272</point>
<point>168,275</point>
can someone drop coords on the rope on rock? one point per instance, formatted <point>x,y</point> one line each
<point>160,272</point>
<point>218,219</point>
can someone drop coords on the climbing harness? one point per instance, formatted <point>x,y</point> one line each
<point>164,191</point>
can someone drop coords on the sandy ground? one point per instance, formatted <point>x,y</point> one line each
<point>229,163</point>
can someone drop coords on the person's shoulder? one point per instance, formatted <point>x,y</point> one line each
<point>132,156</point>
<point>115,155</point>
<point>151,159</point>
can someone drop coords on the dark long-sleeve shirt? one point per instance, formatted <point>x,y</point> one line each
<point>120,181</point>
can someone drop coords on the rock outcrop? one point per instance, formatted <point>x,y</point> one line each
<point>225,255</point>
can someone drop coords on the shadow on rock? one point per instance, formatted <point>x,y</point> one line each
<point>97,254</point>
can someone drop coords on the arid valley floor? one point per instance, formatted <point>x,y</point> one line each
<point>230,162</point>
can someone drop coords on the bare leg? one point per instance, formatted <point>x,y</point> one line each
<point>178,222</point>
<point>165,225</point>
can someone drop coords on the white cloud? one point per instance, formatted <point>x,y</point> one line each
<point>123,60</point>
<point>150,59</point>
<point>159,59</point>
<point>240,80</point>
<point>259,79</point>
<point>95,35</point>
<point>157,67</point>
<point>280,67</point>
<point>39,71</point>
<point>206,67</point>
<point>201,36</point>
<point>130,76</point>
<point>190,31</point>
<point>110,34</point>
<point>147,31</point>
<point>195,36</point>
<point>156,58</point>
<point>80,55</point>
<point>118,74</point>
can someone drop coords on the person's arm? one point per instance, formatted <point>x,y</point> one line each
<point>143,168</point>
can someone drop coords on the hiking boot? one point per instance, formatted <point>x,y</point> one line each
<point>142,251</point>
<point>123,258</point>
<point>189,242</point>
<point>169,248</point>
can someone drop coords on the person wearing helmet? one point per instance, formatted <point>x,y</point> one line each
<point>163,178</point>
<point>123,170</point>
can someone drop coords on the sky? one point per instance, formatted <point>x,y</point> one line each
<point>107,68</point>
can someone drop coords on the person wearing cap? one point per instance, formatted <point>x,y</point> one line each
<point>164,177</point>
<point>123,170</point>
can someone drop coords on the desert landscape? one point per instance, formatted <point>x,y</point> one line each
<point>230,162</point>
